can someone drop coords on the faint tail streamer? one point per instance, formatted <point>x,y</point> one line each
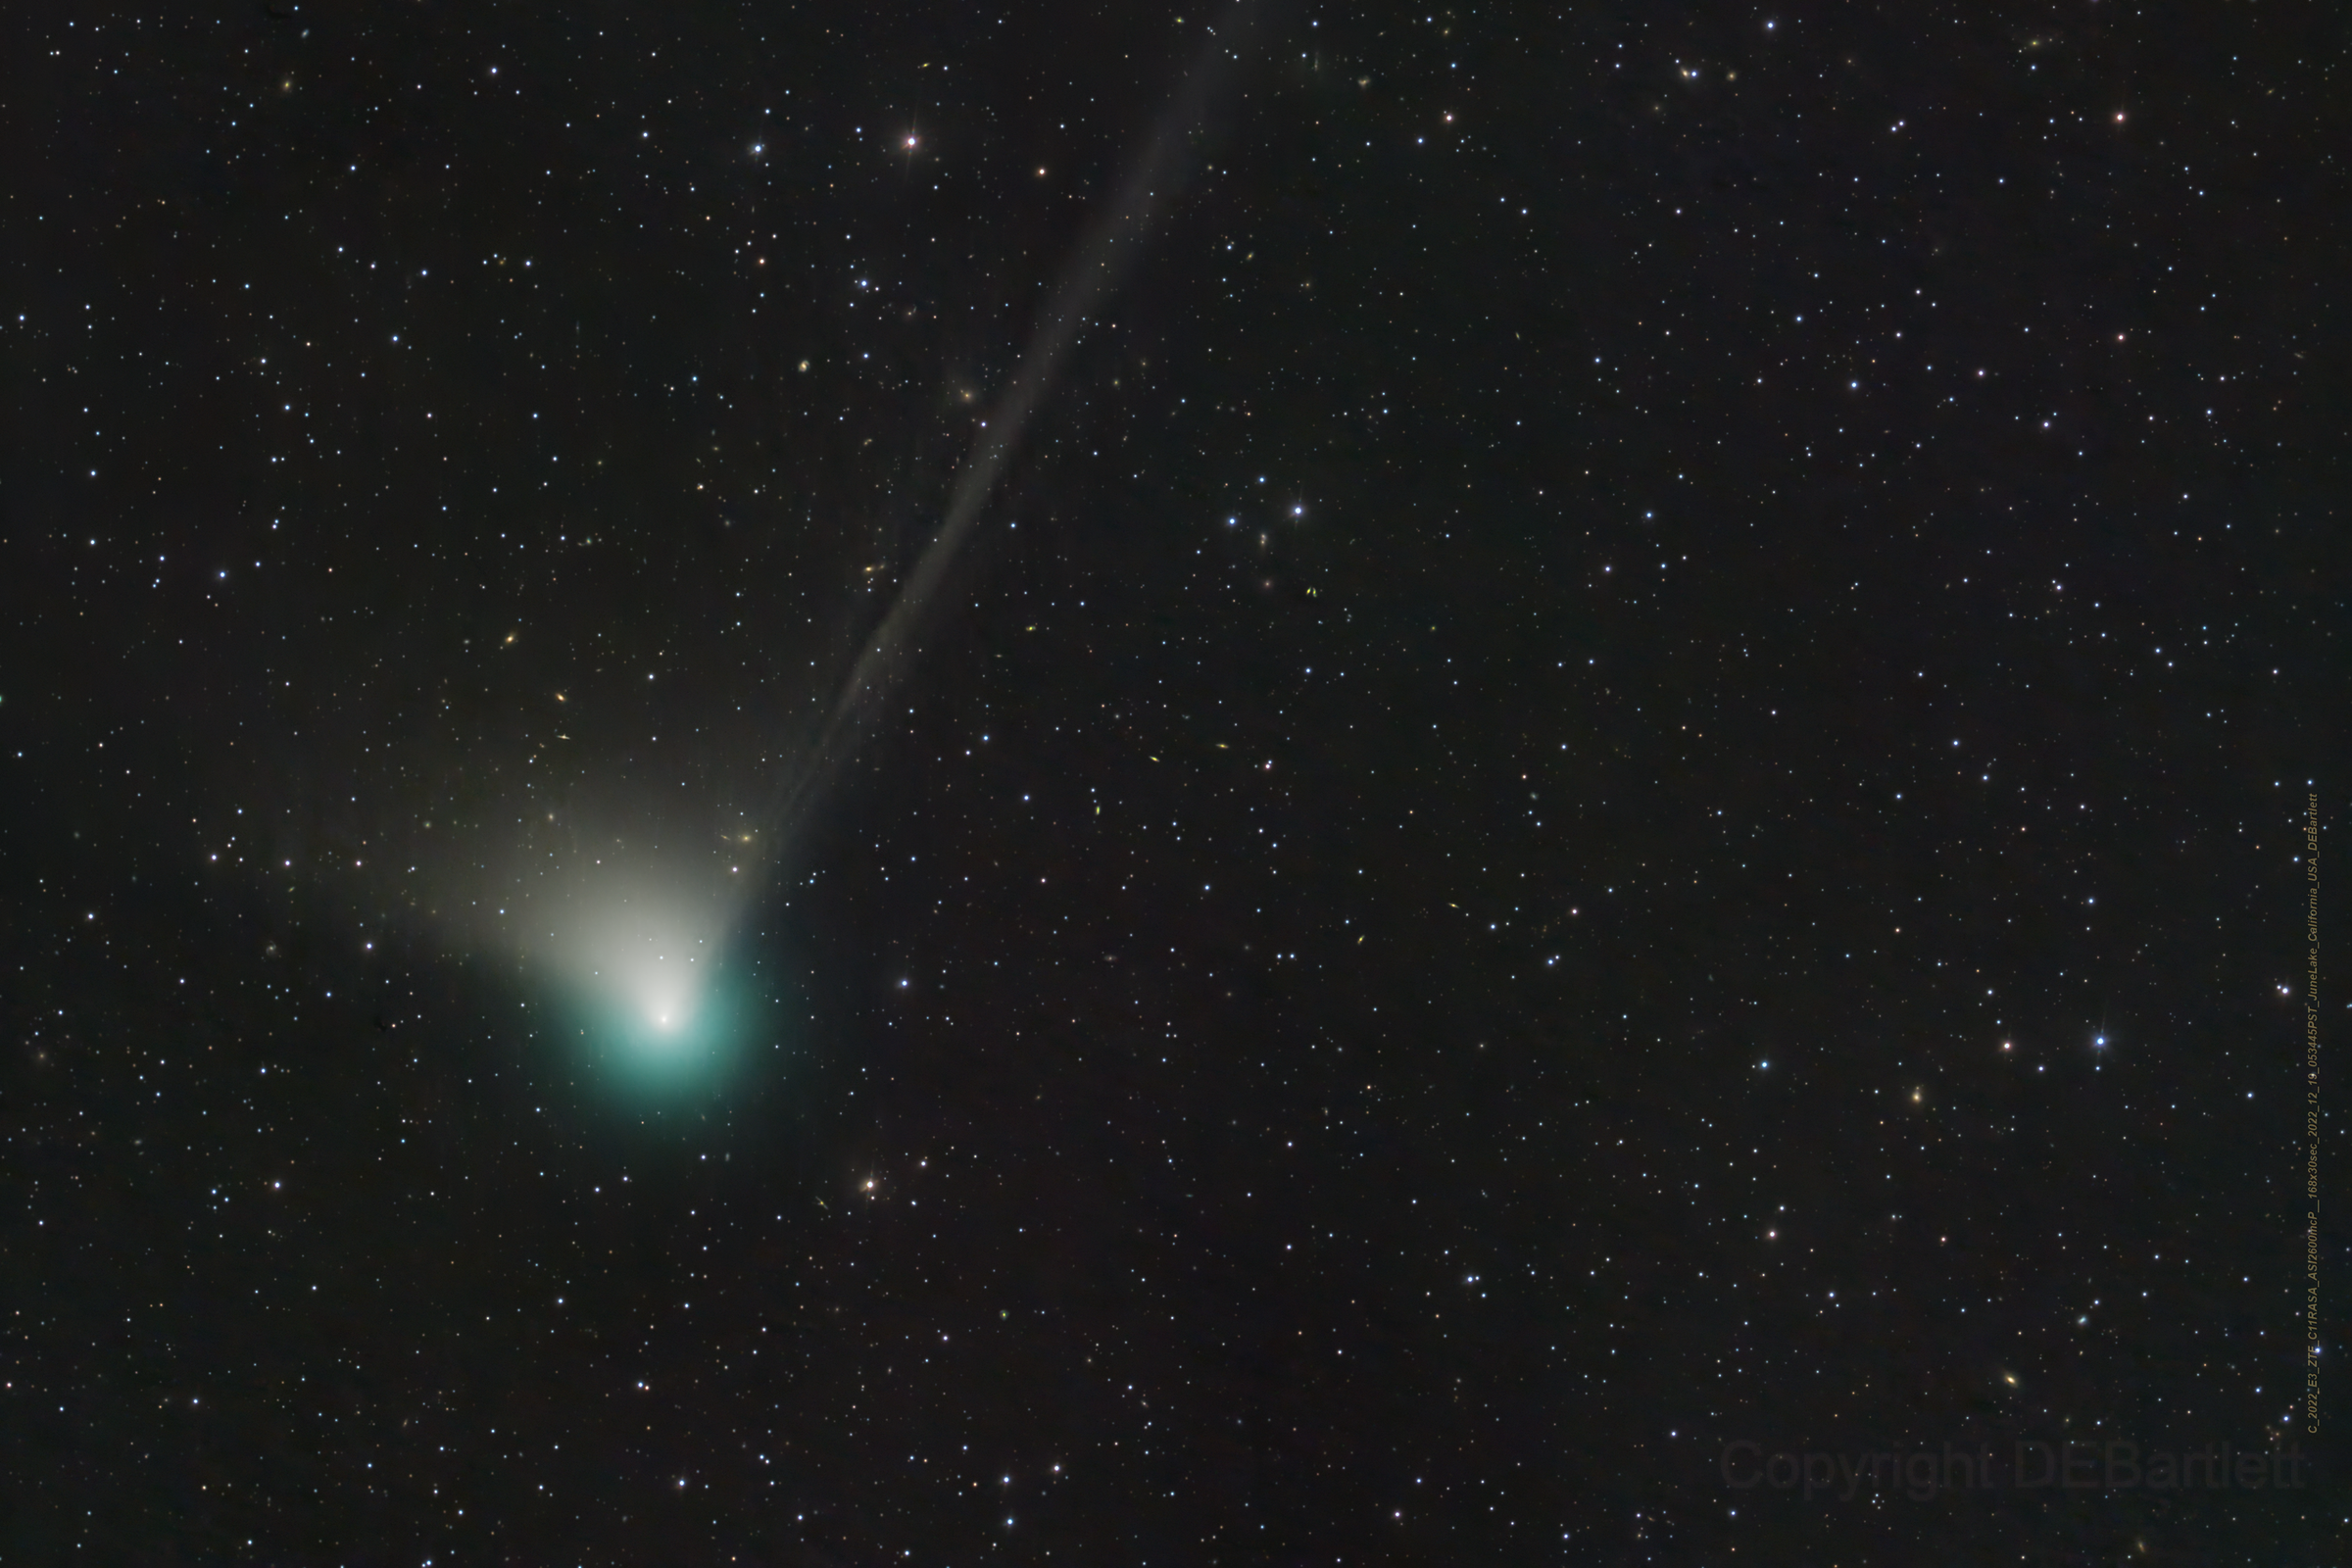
<point>1110,246</point>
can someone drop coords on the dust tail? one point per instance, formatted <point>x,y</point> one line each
<point>1110,246</point>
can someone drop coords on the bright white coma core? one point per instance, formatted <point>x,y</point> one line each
<point>659,981</point>
<point>644,955</point>
<point>652,962</point>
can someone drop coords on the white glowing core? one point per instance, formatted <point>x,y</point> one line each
<point>650,956</point>
<point>652,973</point>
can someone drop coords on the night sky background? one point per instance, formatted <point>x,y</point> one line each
<point>1623,767</point>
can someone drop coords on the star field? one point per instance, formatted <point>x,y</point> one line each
<point>1628,759</point>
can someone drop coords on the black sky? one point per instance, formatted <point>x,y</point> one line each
<point>1623,769</point>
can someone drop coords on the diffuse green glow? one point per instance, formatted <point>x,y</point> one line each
<point>678,1042</point>
<point>658,1008</point>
